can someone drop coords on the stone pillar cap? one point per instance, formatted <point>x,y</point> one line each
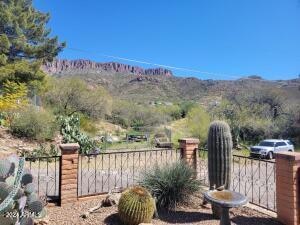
<point>189,140</point>
<point>69,146</point>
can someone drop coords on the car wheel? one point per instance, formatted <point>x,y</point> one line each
<point>290,150</point>
<point>270,155</point>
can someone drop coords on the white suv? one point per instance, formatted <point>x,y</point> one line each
<point>267,148</point>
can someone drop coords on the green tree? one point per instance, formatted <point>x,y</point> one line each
<point>185,107</point>
<point>130,114</point>
<point>13,96</point>
<point>198,121</point>
<point>256,114</point>
<point>172,111</point>
<point>24,42</point>
<point>72,95</point>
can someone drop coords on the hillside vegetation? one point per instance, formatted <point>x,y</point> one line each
<point>141,88</point>
<point>80,100</point>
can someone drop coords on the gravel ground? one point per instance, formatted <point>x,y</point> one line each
<point>192,213</point>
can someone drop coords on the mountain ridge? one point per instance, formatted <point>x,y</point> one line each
<point>58,66</point>
<point>132,83</point>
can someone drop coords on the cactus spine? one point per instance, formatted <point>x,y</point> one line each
<point>219,158</point>
<point>136,206</point>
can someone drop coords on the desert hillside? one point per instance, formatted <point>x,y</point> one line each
<point>144,85</point>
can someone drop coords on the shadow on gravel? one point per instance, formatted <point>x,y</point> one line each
<point>112,219</point>
<point>241,220</point>
<point>183,217</point>
<point>169,217</point>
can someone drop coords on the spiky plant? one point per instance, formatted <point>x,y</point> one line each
<point>29,188</point>
<point>4,190</point>
<point>219,157</point>
<point>27,177</point>
<point>5,169</point>
<point>136,206</point>
<point>8,220</point>
<point>32,197</point>
<point>26,221</point>
<point>171,185</point>
<point>17,196</point>
<point>36,206</point>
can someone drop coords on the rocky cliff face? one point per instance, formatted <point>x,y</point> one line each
<point>65,66</point>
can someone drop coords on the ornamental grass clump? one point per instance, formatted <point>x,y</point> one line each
<point>171,185</point>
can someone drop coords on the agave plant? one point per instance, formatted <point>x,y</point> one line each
<point>171,185</point>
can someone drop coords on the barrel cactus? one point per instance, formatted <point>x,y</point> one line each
<point>136,206</point>
<point>219,157</point>
<point>18,200</point>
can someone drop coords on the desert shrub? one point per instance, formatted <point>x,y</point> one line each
<point>129,114</point>
<point>2,119</point>
<point>35,124</point>
<point>172,112</point>
<point>87,124</point>
<point>73,95</point>
<point>13,96</point>
<point>198,121</point>
<point>186,107</point>
<point>171,185</point>
<point>258,114</point>
<point>41,151</point>
<point>70,130</point>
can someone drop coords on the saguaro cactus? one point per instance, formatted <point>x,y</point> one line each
<point>219,157</point>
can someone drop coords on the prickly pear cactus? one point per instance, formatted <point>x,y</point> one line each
<point>219,158</point>
<point>29,188</point>
<point>136,206</point>
<point>19,204</point>
<point>5,169</point>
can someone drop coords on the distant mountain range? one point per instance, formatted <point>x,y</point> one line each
<point>81,65</point>
<point>144,85</point>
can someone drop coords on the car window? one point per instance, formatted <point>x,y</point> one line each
<point>289,142</point>
<point>280,144</point>
<point>266,143</point>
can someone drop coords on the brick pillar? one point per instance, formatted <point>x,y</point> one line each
<point>189,151</point>
<point>288,187</point>
<point>68,173</point>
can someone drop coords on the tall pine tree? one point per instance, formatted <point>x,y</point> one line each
<point>24,43</point>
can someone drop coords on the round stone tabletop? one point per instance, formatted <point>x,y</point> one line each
<point>226,198</point>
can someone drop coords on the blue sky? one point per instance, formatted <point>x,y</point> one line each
<point>229,39</point>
